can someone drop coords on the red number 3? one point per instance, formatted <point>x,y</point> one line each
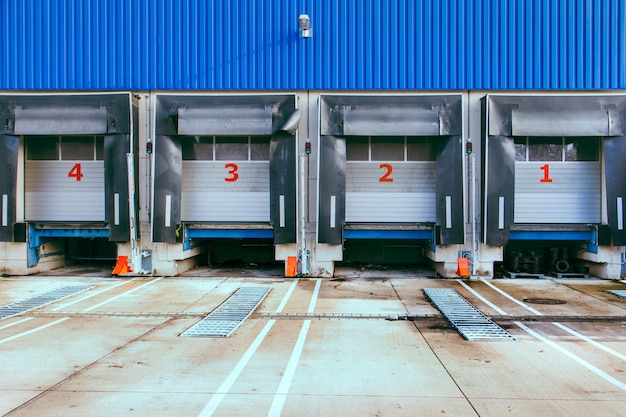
<point>75,172</point>
<point>387,175</point>
<point>232,171</point>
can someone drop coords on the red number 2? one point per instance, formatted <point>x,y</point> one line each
<point>387,175</point>
<point>75,172</point>
<point>546,173</point>
<point>232,171</point>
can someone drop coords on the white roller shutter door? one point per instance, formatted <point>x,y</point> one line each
<point>217,191</point>
<point>54,192</point>
<point>558,192</point>
<point>390,192</point>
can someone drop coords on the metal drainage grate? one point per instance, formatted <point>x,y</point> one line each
<point>40,300</point>
<point>619,293</point>
<point>223,321</point>
<point>467,319</point>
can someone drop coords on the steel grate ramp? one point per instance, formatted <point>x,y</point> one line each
<point>619,293</point>
<point>463,316</point>
<point>40,300</point>
<point>223,321</point>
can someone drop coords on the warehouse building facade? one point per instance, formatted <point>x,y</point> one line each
<point>314,132</point>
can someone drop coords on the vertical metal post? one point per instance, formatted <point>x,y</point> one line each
<point>303,253</point>
<point>473,180</point>
<point>135,253</point>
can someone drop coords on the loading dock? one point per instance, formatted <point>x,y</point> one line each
<point>553,175</point>
<point>221,170</point>
<point>66,172</point>
<point>391,168</point>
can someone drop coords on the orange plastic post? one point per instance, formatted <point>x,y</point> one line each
<point>121,267</point>
<point>292,266</point>
<point>463,268</point>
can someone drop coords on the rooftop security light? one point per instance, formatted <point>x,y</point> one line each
<point>304,21</point>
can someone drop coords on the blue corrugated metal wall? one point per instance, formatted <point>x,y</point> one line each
<point>356,44</point>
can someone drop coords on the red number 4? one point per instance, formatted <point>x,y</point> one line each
<point>75,172</point>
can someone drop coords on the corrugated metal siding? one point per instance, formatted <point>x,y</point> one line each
<point>409,198</point>
<point>573,196</point>
<point>356,44</point>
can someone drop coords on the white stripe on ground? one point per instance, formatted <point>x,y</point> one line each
<point>285,383</point>
<point>575,358</point>
<point>564,351</point>
<point>221,392</point>
<point>6,326</point>
<point>36,329</point>
<point>481,298</point>
<point>510,297</point>
<point>122,295</point>
<point>561,326</point>
<point>91,294</point>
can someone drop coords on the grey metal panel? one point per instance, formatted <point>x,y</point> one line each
<point>332,189</point>
<point>116,186</point>
<point>573,196</point>
<point>372,115</point>
<point>66,113</point>
<point>207,197</point>
<point>65,120</point>
<point>227,120</point>
<point>578,123</point>
<point>374,121</point>
<point>283,177</point>
<point>550,115</point>
<point>615,172</point>
<point>450,177</point>
<point>409,198</point>
<point>498,189</point>
<point>168,180</point>
<point>9,146</point>
<point>50,195</point>
<point>236,114</point>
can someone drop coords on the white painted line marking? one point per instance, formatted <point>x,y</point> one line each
<point>36,329</point>
<point>575,358</point>
<point>6,326</point>
<point>116,209</point>
<point>516,301</point>
<point>285,383</point>
<point>91,294</point>
<point>620,214</point>
<point>122,295</point>
<point>500,213</point>
<point>281,210</point>
<point>591,341</point>
<point>481,298</point>
<point>5,209</point>
<point>333,211</point>
<point>448,212</point>
<point>221,392</point>
<point>168,210</point>
<point>559,325</point>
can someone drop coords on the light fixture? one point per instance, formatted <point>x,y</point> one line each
<point>304,21</point>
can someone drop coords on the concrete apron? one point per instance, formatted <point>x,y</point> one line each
<point>314,347</point>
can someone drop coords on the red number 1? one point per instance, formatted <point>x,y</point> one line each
<point>546,173</point>
<point>75,172</point>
